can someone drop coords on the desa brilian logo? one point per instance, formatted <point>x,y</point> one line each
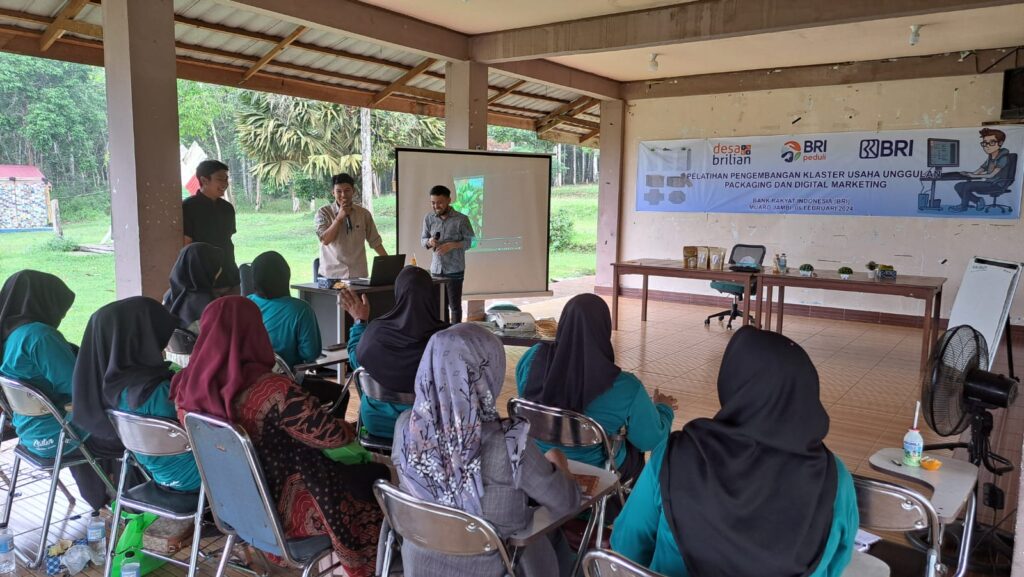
<point>793,150</point>
<point>730,154</point>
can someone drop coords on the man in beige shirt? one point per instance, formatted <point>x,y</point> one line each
<point>344,230</point>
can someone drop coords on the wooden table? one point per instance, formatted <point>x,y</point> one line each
<point>926,288</point>
<point>648,267</point>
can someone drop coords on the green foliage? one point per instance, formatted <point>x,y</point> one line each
<point>806,267</point>
<point>521,140</point>
<point>307,188</point>
<point>58,244</point>
<point>845,270</point>
<point>85,206</point>
<point>562,230</point>
<point>469,200</point>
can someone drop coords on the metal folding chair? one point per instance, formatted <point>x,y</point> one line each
<point>367,387</point>
<point>570,429</point>
<point>888,507</point>
<point>281,367</point>
<point>240,499</point>
<point>155,437</point>
<point>179,348</point>
<point>604,563</point>
<point>26,400</point>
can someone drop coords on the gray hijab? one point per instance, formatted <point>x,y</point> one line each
<point>457,385</point>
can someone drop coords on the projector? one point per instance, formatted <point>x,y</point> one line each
<point>513,321</point>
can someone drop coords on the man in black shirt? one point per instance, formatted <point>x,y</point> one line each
<point>211,219</point>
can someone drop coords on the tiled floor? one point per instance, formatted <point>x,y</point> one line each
<point>869,383</point>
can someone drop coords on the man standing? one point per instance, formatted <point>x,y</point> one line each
<point>449,234</point>
<point>209,218</point>
<point>344,230</point>
<point>992,174</point>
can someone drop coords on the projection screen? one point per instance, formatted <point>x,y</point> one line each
<point>507,197</point>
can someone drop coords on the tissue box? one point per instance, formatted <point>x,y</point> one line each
<point>887,274</point>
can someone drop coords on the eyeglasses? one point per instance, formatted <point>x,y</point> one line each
<point>989,143</point>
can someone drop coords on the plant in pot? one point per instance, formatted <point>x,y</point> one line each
<point>806,270</point>
<point>845,272</point>
<point>872,267</point>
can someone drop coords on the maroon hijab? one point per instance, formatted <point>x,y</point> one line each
<point>232,352</point>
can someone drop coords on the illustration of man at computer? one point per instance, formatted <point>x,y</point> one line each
<point>993,178</point>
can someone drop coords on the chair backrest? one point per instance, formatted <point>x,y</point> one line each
<point>235,486</point>
<point>604,563</point>
<point>753,251</point>
<point>179,348</point>
<point>281,367</point>
<point>26,400</point>
<point>887,507</point>
<point>248,284</point>
<point>561,426</point>
<point>442,529</point>
<point>151,436</point>
<point>1008,174</point>
<point>365,385</point>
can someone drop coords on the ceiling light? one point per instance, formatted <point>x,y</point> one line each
<point>915,34</point>
<point>652,65</point>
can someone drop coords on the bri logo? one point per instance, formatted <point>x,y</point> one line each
<point>876,148</point>
<point>808,150</point>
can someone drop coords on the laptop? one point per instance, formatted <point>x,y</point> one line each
<point>385,271</point>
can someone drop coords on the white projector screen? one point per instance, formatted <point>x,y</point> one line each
<point>507,197</point>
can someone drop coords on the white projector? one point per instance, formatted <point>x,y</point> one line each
<point>513,321</point>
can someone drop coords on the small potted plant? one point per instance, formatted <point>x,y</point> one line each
<point>806,270</point>
<point>872,266</point>
<point>886,272</point>
<point>845,272</point>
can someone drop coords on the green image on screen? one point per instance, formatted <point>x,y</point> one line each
<point>469,200</point>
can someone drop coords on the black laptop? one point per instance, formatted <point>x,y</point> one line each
<point>385,271</point>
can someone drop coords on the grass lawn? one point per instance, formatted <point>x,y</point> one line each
<point>91,276</point>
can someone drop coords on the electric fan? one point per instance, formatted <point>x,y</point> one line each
<point>957,392</point>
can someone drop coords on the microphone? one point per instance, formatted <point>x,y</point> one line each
<point>348,223</point>
<point>437,237</point>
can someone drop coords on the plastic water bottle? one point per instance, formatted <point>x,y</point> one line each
<point>130,567</point>
<point>913,443</point>
<point>7,565</point>
<point>97,537</point>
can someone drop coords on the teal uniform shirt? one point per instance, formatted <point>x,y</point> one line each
<point>38,354</point>
<point>625,404</point>
<point>177,472</point>
<point>291,324</point>
<point>377,417</point>
<point>642,532</point>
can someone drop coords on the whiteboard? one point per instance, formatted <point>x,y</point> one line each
<point>983,301</point>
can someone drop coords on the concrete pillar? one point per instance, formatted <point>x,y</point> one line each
<point>465,106</point>
<point>609,196</point>
<point>142,114</point>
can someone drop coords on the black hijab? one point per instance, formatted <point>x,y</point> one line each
<point>122,349</point>
<point>30,296</point>
<point>192,281</point>
<point>580,365</point>
<point>393,344</point>
<point>271,275</point>
<point>751,492</point>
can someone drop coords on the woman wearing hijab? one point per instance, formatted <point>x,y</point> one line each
<point>290,322</point>
<point>32,305</point>
<point>453,449</point>
<point>192,279</point>
<point>230,376</point>
<point>390,348</point>
<point>121,366</point>
<point>753,491</point>
<point>578,372</point>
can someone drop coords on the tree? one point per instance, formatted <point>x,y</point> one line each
<point>206,115</point>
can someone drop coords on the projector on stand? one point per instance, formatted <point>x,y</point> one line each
<point>513,321</point>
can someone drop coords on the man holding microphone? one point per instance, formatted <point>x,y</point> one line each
<point>344,230</point>
<point>449,234</point>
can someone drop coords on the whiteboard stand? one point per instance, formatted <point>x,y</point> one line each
<point>983,302</point>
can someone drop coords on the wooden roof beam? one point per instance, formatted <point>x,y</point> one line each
<point>402,80</point>
<point>75,26</point>
<point>56,28</point>
<point>503,92</point>
<point>590,136</point>
<point>273,52</point>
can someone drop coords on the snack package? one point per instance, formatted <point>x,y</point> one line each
<point>716,258</point>
<point>702,257</point>
<point>690,256</point>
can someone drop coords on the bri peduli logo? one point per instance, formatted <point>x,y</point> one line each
<point>793,150</point>
<point>730,154</point>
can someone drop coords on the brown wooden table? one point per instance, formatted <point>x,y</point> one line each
<point>926,288</point>
<point>648,267</point>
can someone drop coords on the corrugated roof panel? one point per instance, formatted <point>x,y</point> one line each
<point>321,78</point>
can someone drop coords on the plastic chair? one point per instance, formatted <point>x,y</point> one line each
<point>604,563</point>
<point>366,386</point>
<point>248,285</point>
<point>888,507</point>
<point>26,400</point>
<point>570,429</point>
<point>1008,176</point>
<point>240,499</point>
<point>741,254</point>
<point>155,437</point>
<point>179,348</point>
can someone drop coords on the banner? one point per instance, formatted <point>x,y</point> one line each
<point>945,173</point>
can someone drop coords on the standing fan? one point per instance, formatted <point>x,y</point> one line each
<point>956,393</point>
